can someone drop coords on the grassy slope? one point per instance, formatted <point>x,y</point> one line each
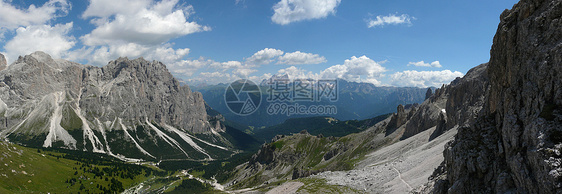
<point>26,170</point>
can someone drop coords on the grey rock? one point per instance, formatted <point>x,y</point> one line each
<point>3,62</point>
<point>398,118</point>
<point>83,107</point>
<point>429,93</point>
<point>514,138</point>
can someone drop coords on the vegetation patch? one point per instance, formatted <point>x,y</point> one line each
<point>31,170</point>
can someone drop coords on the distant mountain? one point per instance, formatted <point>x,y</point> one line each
<point>130,109</point>
<point>355,101</point>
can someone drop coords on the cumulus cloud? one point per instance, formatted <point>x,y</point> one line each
<point>215,77</point>
<point>108,8</point>
<point>146,23</point>
<point>103,54</point>
<point>138,28</point>
<point>243,72</point>
<point>358,69</point>
<point>424,64</point>
<point>212,78</point>
<point>189,67</point>
<point>288,11</point>
<point>265,56</point>
<point>297,73</point>
<point>300,58</point>
<point>53,40</point>
<point>244,69</point>
<point>390,19</point>
<point>230,65</point>
<point>423,79</point>
<point>12,17</point>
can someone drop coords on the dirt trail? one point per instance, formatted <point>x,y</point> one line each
<point>400,177</point>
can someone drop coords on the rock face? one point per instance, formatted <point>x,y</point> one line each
<point>429,93</point>
<point>132,108</point>
<point>3,62</point>
<point>515,142</point>
<point>398,118</point>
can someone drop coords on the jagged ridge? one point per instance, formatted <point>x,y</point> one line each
<point>515,143</point>
<point>128,108</point>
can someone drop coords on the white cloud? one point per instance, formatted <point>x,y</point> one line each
<point>265,56</point>
<point>213,78</point>
<point>258,79</point>
<point>189,67</point>
<point>364,66</point>
<point>299,58</point>
<point>53,40</point>
<point>336,71</point>
<point>297,73</point>
<point>424,64</point>
<point>12,17</point>
<point>243,72</point>
<point>423,78</point>
<point>231,65</point>
<point>287,11</point>
<point>390,19</point>
<point>103,54</point>
<point>108,8</point>
<point>152,25</point>
<point>358,69</point>
<point>139,28</point>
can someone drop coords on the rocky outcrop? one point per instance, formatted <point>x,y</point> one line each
<point>455,104</point>
<point>429,93</point>
<point>466,100</point>
<point>131,108</point>
<point>398,118</point>
<point>3,62</point>
<point>515,143</point>
<point>426,115</point>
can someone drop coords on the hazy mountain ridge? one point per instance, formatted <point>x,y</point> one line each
<point>355,101</point>
<point>56,103</point>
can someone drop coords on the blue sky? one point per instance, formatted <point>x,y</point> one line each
<point>397,43</point>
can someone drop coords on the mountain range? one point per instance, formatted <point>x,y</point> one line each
<point>356,101</point>
<point>131,109</point>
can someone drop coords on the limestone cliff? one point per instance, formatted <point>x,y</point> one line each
<point>515,143</point>
<point>128,108</point>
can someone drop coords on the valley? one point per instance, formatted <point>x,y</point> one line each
<point>132,126</point>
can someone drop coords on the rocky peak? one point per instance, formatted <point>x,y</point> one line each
<point>429,93</point>
<point>56,102</point>
<point>139,67</point>
<point>514,144</point>
<point>398,118</point>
